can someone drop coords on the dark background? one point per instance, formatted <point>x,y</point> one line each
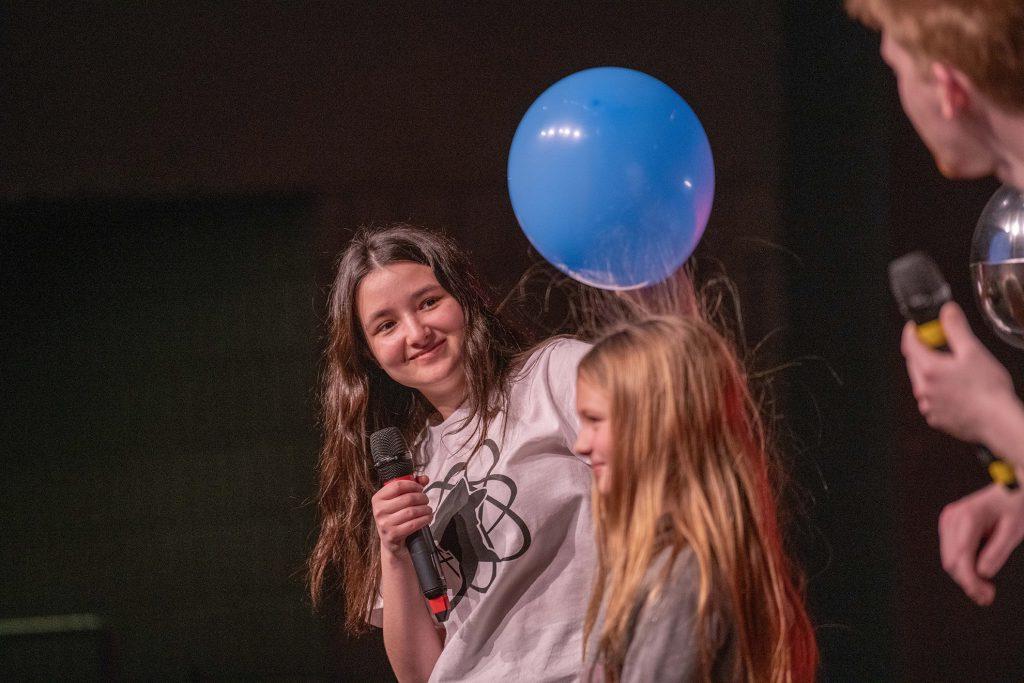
<point>176,180</point>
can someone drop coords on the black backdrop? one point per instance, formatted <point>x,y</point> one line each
<point>177,180</point>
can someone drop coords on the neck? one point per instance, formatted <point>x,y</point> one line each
<point>446,399</point>
<point>1007,131</point>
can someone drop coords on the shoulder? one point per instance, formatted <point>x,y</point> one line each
<point>674,574</point>
<point>555,357</point>
<point>673,583</point>
<point>662,641</point>
<point>544,386</point>
<point>670,589</point>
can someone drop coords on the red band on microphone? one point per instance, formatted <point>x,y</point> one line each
<point>439,607</point>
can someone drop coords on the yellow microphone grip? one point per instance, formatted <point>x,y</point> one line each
<point>931,334</point>
<point>1002,473</point>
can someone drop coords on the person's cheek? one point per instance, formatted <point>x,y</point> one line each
<point>386,351</point>
<point>396,352</point>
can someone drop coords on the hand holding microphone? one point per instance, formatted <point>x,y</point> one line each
<point>960,390</point>
<point>402,515</point>
<point>400,510</point>
<point>957,392</point>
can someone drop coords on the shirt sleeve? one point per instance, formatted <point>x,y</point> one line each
<point>377,611</point>
<point>561,358</point>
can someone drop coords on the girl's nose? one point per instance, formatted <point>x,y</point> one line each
<point>418,333</point>
<point>582,445</point>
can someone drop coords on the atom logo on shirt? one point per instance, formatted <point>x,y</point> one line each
<point>474,524</point>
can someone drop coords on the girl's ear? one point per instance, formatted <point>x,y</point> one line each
<point>955,90</point>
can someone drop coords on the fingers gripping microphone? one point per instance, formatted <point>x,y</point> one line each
<point>392,461</point>
<point>920,291</point>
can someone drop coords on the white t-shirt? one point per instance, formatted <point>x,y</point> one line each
<point>514,530</point>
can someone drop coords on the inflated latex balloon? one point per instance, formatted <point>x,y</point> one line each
<point>611,178</point>
<point>997,264</point>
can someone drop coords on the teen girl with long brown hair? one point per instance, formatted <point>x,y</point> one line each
<point>414,344</point>
<point>692,582</point>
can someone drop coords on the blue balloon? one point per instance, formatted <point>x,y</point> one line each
<point>611,178</point>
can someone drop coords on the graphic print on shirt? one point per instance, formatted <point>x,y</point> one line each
<point>474,524</point>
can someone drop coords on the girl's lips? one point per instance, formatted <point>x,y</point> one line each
<point>429,353</point>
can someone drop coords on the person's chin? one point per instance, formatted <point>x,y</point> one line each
<point>956,166</point>
<point>440,372</point>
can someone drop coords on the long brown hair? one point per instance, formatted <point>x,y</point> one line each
<point>359,398</point>
<point>690,457</point>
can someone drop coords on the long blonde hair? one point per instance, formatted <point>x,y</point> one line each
<point>690,458</point>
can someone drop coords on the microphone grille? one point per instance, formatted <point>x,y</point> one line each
<point>917,283</point>
<point>390,455</point>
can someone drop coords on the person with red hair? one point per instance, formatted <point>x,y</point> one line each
<point>959,67</point>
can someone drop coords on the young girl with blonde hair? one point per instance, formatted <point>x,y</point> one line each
<point>693,582</point>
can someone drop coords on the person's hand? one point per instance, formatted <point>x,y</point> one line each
<point>976,536</point>
<point>399,509</point>
<point>957,392</point>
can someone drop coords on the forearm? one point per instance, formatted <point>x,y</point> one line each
<point>411,636</point>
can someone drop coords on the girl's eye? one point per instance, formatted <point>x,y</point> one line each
<point>430,302</point>
<point>385,326</point>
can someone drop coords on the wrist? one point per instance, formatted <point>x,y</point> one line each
<point>394,556</point>
<point>1008,500</point>
<point>1003,430</point>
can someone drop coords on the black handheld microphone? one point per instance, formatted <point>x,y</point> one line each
<point>392,461</point>
<point>920,291</point>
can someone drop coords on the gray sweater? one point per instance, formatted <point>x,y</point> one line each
<point>662,645</point>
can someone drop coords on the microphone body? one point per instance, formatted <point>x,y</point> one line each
<point>921,291</point>
<point>392,461</point>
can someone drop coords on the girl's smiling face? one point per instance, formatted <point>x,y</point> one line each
<point>415,330</point>
<point>595,437</point>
